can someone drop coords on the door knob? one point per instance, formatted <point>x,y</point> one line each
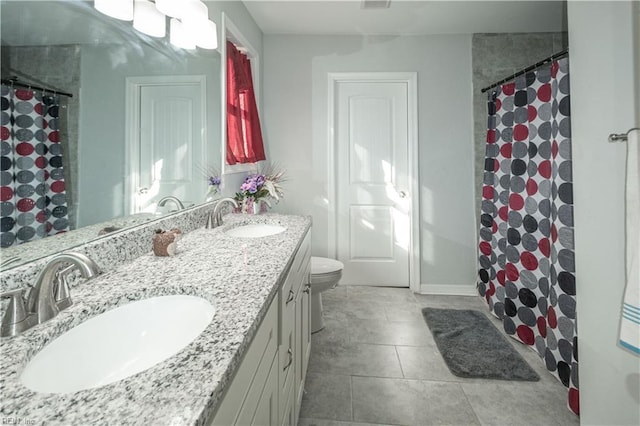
<point>402,194</point>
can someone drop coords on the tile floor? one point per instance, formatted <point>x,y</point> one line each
<point>376,362</point>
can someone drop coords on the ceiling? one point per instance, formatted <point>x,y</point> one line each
<point>407,17</point>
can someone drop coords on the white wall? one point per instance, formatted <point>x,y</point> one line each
<point>295,125</point>
<point>602,91</point>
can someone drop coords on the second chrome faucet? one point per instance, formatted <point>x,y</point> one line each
<point>214,218</point>
<point>48,296</point>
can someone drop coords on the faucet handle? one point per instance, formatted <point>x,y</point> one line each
<point>61,292</point>
<point>15,319</point>
<point>211,221</point>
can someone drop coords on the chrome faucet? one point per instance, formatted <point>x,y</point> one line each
<point>214,218</point>
<point>41,301</point>
<point>49,295</point>
<point>173,199</point>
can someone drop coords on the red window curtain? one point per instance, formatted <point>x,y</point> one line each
<point>244,137</point>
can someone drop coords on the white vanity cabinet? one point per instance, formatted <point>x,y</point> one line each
<point>295,333</point>
<point>268,385</point>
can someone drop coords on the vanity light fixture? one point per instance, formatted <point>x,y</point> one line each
<point>149,20</point>
<point>189,25</point>
<point>200,29</point>
<point>119,9</point>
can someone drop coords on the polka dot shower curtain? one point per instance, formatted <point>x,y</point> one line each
<point>526,252</point>
<point>34,202</point>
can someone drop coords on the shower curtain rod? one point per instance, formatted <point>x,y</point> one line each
<point>14,82</point>
<point>529,68</point>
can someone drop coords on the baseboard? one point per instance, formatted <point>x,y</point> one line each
<point>449,289</point>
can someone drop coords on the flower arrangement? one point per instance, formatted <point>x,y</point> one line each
<point>262,186</point>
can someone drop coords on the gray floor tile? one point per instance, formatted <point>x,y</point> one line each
<point>357,341</point>
<point>324,422</point>
<point>425,363</point>
<point>410,402</point>
<point>356,359</point>
<point>380,294</point>
<point>403,311</point>
<point>335,332</point>
<point>522,403</point>
<point>354,309</point>
<point>336,293</point>
<point>327,396</point>
<point>404,333</point>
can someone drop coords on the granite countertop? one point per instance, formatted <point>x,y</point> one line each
<point>239,276</point>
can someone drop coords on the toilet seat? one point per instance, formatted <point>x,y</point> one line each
<point>325,266</point>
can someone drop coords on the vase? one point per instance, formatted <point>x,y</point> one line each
<point>212,194</point>
<point>255,207</point>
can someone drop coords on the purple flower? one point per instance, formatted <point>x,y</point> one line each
<point>214,180</point>
<point>250,187</point>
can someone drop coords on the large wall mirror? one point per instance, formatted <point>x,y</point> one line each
<point>143,121</point>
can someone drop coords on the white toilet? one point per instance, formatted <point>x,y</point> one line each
<point>325,275</point>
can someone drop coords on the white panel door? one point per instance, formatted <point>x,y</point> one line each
<point>371,148</point>
<point>171,151</point>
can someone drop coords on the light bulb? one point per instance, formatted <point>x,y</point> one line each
<point>194,9</point>
<point>207,34</point>
<point>149,20</point>
<point>171,8</point>
<point>178,36</point>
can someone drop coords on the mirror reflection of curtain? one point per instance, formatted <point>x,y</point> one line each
<point>33,197</point>
<point>527,269</point>
<point>244,137</point>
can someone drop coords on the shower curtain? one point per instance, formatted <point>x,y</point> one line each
<point>33,197</point>
<point>526,250</point>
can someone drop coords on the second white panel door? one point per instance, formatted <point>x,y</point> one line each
<point>372,163</point>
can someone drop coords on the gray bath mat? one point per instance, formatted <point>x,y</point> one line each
<point>472,347</point>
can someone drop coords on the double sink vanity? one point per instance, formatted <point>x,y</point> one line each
<point>218,334</point>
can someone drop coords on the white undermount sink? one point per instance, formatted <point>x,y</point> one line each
<point>256,230</point>
<point>118,343</point>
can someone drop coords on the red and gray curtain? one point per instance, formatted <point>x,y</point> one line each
<point>526,260</point>
<point>32,193</point>
<point>244,136</point>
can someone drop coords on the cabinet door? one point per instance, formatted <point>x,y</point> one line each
<point>287,357</point>
<point>305,321</point>
<point>303,338</point>
<point>267,411</point>
<point>289,417</point>
<point>249,381</point>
